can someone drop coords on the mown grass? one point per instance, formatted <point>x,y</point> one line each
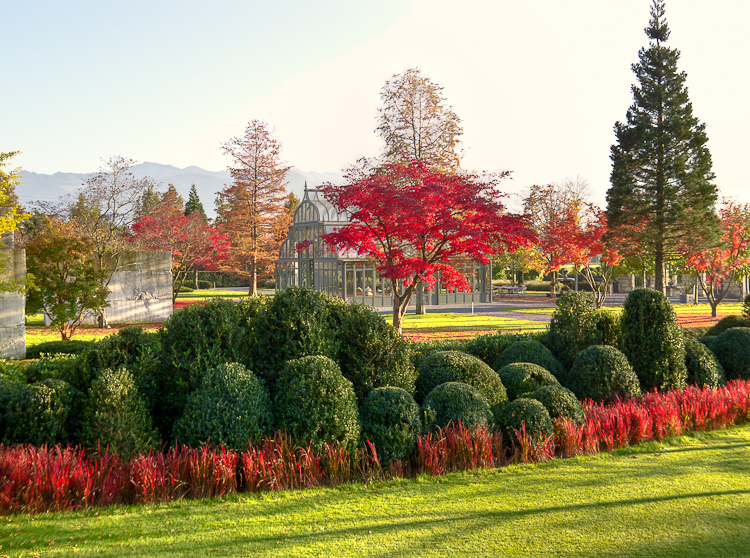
<point>454,325</point>
<point>687,496</point>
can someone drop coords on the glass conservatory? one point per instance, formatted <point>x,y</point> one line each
<point>306,261</point>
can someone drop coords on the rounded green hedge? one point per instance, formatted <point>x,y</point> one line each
<point>453,402</point>
<point>526,411</point>
<point>560,402</point>
<point>70,347</point>
<point>520,378</point>
<point>652,340</point>
<point>572,327</point>
<point>702,365</point>
<point>230,408</point>
<point>315,404</point>
<point>529,351</point>
<point>455,366</point>
<point>732,349</point>
<point>600,373</point>
<point>728,322</point>
<point>390,420</point>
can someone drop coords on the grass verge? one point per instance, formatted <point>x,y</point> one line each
<point>686,496</point>
<point>450,325</point>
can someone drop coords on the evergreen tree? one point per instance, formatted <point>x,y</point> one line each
<point>194,203</point>
<point>148,201</point>
<point>662,196</point>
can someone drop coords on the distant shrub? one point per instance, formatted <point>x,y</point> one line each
<point>115,416</point>
<point>520,378</point>
<point>390,420</point>
<point>600,373</point>
<point>524,411</point>
<point>230,408</point>
<point>732,349</point>
<point>573,327</point>
<point>746,307</point>
<point>453,402</point>
<point>652,341</point>
<point>205,284</point>
<point>454,366</point>
<point>315,404</point>
<point>702,366</point>
<point>728,322</point>
<point>489,346</point>
<point>184,289</point>
<point>607,327</point>
<point>70,347</point>
<point>560,402</point>
<point>529,351</point>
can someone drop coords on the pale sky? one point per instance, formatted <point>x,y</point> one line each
<point>538,85</point>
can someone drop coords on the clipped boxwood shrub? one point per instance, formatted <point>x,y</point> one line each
<point>728,322</point>
<point>573,327</point>
<point>529,351</point>
<point>702,366</point>
<point>746,307</point>
<point>193,340</point>
<point>520,378</point>
<point>205,284</point>
<point>229,408</point>
<point>560,402</point>
<point>114,416</point>
<point>489,346</point>
<point>694,333</point>
<point>453,402</point>
<point>70,347</point>
<point>370,351</point>
<point>454,366</point>
<point>607,327</point>
<point>57,366</point>
<point>732,349</point>
<point>652,341</point>
<point>315,404</point>
<point>600,373</point>
<point>390,420</point>
<point>524,411</point>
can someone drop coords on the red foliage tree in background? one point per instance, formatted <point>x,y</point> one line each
<point>412,221</point>
<point>192,241</point>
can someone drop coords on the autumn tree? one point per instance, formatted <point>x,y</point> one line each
<point>148,201</point>
<point>662,192</point>
<point>69,284</point>
<point>413,220</point>
<point>192,241</point>
<point>250,206</point>
<point>9,179</point>
<point>11,216</point>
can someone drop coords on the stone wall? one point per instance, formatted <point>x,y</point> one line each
<point>12,305</point>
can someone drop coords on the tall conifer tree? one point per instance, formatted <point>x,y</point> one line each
<point>662,194</point>
<point>194,202</point>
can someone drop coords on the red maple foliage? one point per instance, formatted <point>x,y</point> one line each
<point>192,241</point>
<point>413,221</point>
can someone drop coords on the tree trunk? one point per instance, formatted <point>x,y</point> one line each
<point>253,278</point>
<point>659,271</point>
<point>420,309</point>
<point>552,282</point>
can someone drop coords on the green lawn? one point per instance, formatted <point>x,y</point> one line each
<point>446,325</point>
<point>686,497</point>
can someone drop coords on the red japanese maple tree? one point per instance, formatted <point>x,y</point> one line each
<point>413,221</point>
<point>192,241</point>
<point>718,267</point>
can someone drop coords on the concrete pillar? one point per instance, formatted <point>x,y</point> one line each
<point>12,305</point>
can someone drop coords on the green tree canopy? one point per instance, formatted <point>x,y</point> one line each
<point>194,203</point>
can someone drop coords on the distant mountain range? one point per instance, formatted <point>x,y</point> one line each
<point>51,186</point>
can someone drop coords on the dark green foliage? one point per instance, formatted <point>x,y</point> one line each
<point>453,402</point>
<point>573,327</point>
<point>652,341</point>
<point>702,366</point>
<point>371,353</point>
<point>732,349</point>
<point>524,411</point>
<point>390,420</point>
<point>529,351</point>
<point>36,414</point>
<point>315,404</point>
<point>489,346</point>
<point>607,327</point>
<point>728,322</point>
<point>746,307</point>
<point>694,333</point>
<point>205,284</point>
<point>709,341</point>
<point>601,373</point>
<point>422,349</point>
<point>194,203</point>
<point>560,402</point>
<point>520,378</point>
<point>229,408</point>
<point>193,340</point>
<point>70,347</point>
<point>454,366</point>
<point>114,416</point>
<point>56,366</point>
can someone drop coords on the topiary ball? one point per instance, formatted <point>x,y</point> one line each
<point>732,349</point>
<point>727,322</point>
<point>528,412</point>
<point>390,419</point>
<point>230,408</point>
<point>520,378</point>
<point>455,401</point>
<point>600,373</point>
<point>560,402</point>
<point>315,404</point>
<point>703,367</point>
<point>573,327</point>
<point>529,351</point>
<point>455,366</point>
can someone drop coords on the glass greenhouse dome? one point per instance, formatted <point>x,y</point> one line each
<point>306,261</point>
